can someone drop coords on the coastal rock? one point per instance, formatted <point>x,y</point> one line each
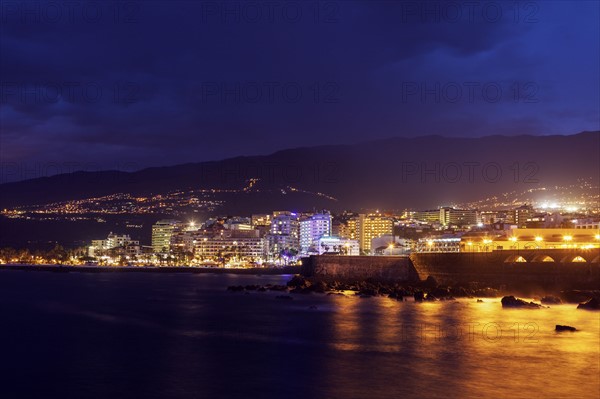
<point>564,328</point>
<point>440,292</point>
<point>298,282</point>
<point>284,297</point>
<point>592,304</point>
<point>480,300</point>
<point>551,300</point>
<point>320,287</point>
<point>430,297</point>
<point>369,291</point>
<point>512,302</point>
<point>419,296</point>
<point>396,295</point>
<point>235,288</point>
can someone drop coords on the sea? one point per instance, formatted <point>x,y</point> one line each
<point>161,335</point>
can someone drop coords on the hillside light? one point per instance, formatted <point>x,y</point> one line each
<point>539,239</point>
<point>567,238</point>
<point>597,236</point>
<point>513,239</point>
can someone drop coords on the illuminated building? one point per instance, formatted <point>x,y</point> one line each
<point>113,241</point>
<point>372,226</point>
<point>348,228</point>
<point>527,239</point>
<point>336,245</point>
<point>161,234</point>
<point>262,219</point>
<point>390,245</point>
<point>449,216</point>
<point>438,244</point>
<point>231,246</point>
<point>312,228</point>
<point>522,214</point>
<point>284,233</point>
<point>586,224</point>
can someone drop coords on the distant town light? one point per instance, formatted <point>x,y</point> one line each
<point>513,239</point>
<point>538,239</point>
<point>567,238</point>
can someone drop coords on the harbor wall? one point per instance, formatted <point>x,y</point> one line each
<point>353,268</point>
<point>496,268</point>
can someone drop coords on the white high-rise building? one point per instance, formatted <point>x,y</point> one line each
<point>161,235</point>
<point>283,235</point>
<point>312,228</point>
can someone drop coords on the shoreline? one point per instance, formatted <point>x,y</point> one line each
<point>153,269</point>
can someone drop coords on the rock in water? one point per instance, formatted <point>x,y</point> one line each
<point>419,296</point>
<point>512,302</point>
<point>564,328</point>
<point>298,282</point>
<point>592,304</point>
<point>551,300</point>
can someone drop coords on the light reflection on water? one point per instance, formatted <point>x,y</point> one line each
<point>467,349</point>
<point>184,336</point>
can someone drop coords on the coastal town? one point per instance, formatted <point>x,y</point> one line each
<point>283,238</point>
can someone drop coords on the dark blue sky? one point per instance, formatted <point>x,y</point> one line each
<point>143,83</point>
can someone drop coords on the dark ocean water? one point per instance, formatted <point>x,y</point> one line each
<point>130,335</point>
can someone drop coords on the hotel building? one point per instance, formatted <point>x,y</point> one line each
<point>312,228</point>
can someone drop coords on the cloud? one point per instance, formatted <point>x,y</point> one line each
<point>170,82</point>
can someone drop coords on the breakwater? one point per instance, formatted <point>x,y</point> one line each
<point>548,269</point>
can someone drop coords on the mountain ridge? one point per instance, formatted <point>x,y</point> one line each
<point>376,171</point>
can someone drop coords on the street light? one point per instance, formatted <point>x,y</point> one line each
<point>486,242</point>
<point>515,242</point>
<point>429,244</point>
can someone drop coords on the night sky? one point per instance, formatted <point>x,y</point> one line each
<point>134,84</point>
